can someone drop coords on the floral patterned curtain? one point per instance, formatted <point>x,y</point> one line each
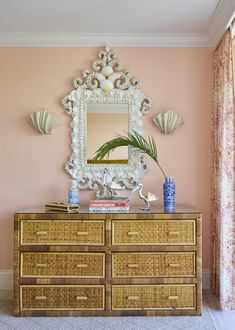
<point>223,176</point>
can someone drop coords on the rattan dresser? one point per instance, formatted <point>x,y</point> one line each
<point>107,264</point>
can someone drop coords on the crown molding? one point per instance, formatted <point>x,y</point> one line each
<point>223,16</point>
<point>101,39</point>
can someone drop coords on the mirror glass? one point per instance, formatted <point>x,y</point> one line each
<point>105,122</point>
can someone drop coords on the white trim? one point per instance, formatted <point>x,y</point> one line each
<point>224,14</point>
<point>6,294</point>
<point>206,279</point>
<point>222,18</point>
<point>6,279</point>
<point>101,39</point>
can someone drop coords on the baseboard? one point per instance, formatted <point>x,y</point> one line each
<point>6,294</point>
<point>6,279</point>
<point>6,282</point>
<point>206,279</point>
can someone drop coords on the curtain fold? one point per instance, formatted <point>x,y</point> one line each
<point>223,176</point>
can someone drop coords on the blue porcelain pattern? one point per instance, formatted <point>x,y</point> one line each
<point>169,194</point>
<point>74,196</point>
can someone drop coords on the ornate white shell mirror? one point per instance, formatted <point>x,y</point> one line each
<point>105,102</point>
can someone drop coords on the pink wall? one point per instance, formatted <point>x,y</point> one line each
<point>31,169</point>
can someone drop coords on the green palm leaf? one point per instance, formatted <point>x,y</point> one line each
<point>135,140</point>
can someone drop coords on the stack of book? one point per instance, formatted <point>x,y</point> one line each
<point>62,207</point>
<point>109,205</point>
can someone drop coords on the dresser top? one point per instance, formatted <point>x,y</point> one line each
<point>180,209</point>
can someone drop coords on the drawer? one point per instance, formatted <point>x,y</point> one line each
<point>153,232</point>
<point>162,264</point>
<point>50,232</point>
<point>162,297</point>
<point>79,265</point>
<point>65,297</point>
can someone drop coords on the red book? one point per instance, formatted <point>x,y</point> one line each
<point>109,203</point>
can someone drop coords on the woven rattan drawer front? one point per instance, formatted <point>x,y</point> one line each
<point>86,232</point>
<point>162,264</point>
<point>79,265</point>
<point>66,297</point>
<point>153,232</point>
<point>162,297</point>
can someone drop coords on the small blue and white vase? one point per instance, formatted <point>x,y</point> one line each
<point>169,194</point>
<point>73,195</point>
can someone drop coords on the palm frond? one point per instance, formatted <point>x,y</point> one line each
<point>135,140</point>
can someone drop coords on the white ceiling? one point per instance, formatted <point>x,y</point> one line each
<point>134,16</point>
<point>83,19</point>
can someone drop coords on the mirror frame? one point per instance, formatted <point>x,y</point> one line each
<point>123,89</point>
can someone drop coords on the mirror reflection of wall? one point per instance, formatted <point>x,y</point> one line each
<point>104,122</point>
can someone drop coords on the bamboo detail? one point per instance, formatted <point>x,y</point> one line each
<point>41,265</point>
<point>39,233</point>
<point>133,265</point>
<point>40,297</point>
<point>173,297</point>
<point>133,297</point>
<point>132,233</point>
<point>81,297</point>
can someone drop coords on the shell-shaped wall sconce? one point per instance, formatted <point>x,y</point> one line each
<point>168,121</point>
<point>43,121</point>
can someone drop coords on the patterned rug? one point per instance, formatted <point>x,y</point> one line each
<point>9,322</point>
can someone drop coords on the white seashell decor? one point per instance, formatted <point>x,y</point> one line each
<point>107,71</point>
<point>168,121</point>
<point>43,121</point>
<point>107,86</point>
<point>106,83</point>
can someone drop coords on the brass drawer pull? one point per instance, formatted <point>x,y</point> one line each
<point>174,265</point>
<point>133,298</point>
<point>41,265</point>
<point>133,265</point>
<point>173,297</point>
<point>132,233</point>
<point>81,266</point>
<point>81,297</point>
<point>173,233</point>
<point>40,297</point>
<point>82,233</point>
<point>39,233</point>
